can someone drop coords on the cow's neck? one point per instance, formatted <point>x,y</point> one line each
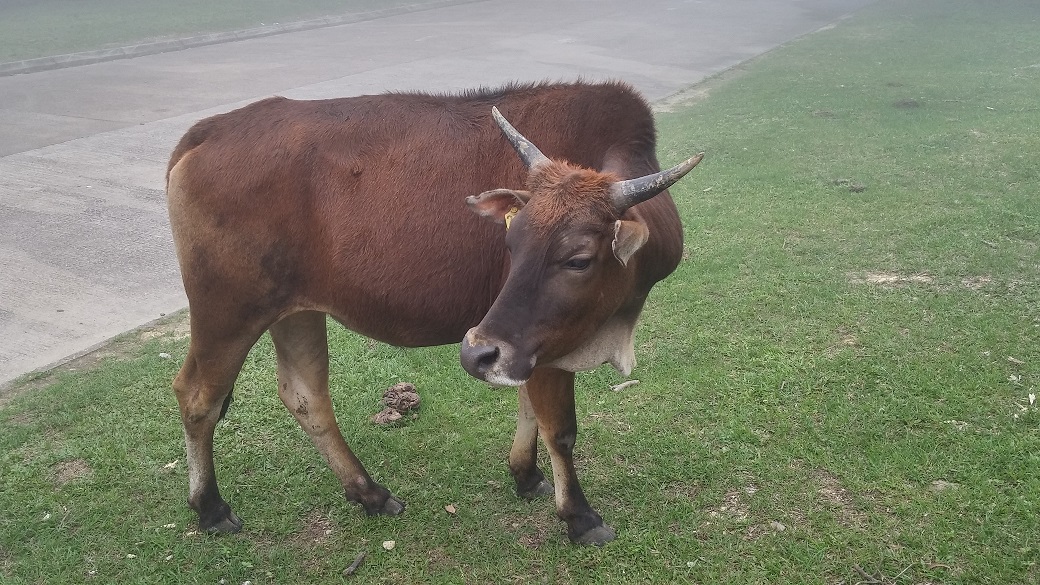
<point>613,343</point>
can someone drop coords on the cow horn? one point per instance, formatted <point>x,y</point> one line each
<point>625,194</point>
<point>527,151</point>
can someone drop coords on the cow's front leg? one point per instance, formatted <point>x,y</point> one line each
<point>301,343</point>
<point>523,457</point>
<point>551,394</point>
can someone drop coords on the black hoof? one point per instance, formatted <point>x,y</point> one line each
<point>391,507</point>
<point>224,521</point>
<point>596,536</point>
<point>540,489</point>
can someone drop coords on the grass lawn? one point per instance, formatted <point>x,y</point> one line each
<point>40,28</point>
<point>834,385</point>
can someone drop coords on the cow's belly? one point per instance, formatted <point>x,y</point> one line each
<point>416,308</point>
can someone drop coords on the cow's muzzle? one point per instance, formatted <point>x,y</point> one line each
<point>494,362</point>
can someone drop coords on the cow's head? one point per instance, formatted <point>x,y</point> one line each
<point>572,295</point>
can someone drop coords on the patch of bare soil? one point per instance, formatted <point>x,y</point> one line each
<point>532,531</point>
<point>735,509</point>
<point>837,497</point>
<point>907,104</point>
<point>976,282</point>
<point>317,528</point>
<point>734,505</point>
<point>5,563</point>
<point>22,419</point>
<point>846,340</point>
<point>681,491</point>
<point>852,186</point>
<point>891,279</point>
<point>438,559</point>
<point>696,93</point>
<point>176,326</point>
<point>67,472</point>
<point>681,99</point>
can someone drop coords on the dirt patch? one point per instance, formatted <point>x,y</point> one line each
<point>846,340</point>
<point>907,104</point>
<point>699,92</point>
<point>438,559</point>
<point>735,509</point>
<point>894,280</point>
<point>682,99</point>
<point>22,419</point>
<point>537,531</point>
<point>67,472</point>
<point>976,282</point>
<point>890,279</point>
<point>613,421</point>
<point>837,497</point>
<point>531,531</point>
<point>175,326</point>
<point>852,186</point>
<point>681,491</point>
<point>317,528</point>
<point>734,505</point>
<point>941,485</point>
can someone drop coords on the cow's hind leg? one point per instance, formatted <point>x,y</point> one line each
<point>301,343</point>
<point>551,392</point>
<point>203,388</point>
<point>523,457</point>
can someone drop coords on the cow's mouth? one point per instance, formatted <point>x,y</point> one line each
<point>497,363</point>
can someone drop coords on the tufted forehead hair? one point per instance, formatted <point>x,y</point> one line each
<point>562,190</point>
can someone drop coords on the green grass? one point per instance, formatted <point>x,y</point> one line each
<point>40,28</point>
<point>851,366</point>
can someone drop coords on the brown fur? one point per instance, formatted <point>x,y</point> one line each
<point>283,211</point>
<point>563,190</point>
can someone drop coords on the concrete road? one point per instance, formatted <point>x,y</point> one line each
<point>85,250</point>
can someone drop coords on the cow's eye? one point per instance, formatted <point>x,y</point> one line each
<point>578,263</point>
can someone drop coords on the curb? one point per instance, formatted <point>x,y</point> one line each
<point>167,46</point>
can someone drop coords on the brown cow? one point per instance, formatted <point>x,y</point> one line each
<point>284,211</point>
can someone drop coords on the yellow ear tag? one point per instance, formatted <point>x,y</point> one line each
<point>510,215</point>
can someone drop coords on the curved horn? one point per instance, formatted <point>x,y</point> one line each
<point>528,152</point>
<point>625,194</point>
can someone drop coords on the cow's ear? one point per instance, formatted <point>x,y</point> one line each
<point>629,236</point>
<point>499,205</point>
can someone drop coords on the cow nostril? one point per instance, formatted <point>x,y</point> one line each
<point>478,359</point>
<point>484,356</point>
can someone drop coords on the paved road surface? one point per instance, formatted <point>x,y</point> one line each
<point>85,250</point>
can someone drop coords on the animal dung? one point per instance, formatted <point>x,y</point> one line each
<point>386,416</point>
<point>401,397</point>
<point>398,399</point>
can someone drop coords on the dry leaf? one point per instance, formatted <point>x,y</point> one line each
<point>624,385</point>
<point>450,508</point>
